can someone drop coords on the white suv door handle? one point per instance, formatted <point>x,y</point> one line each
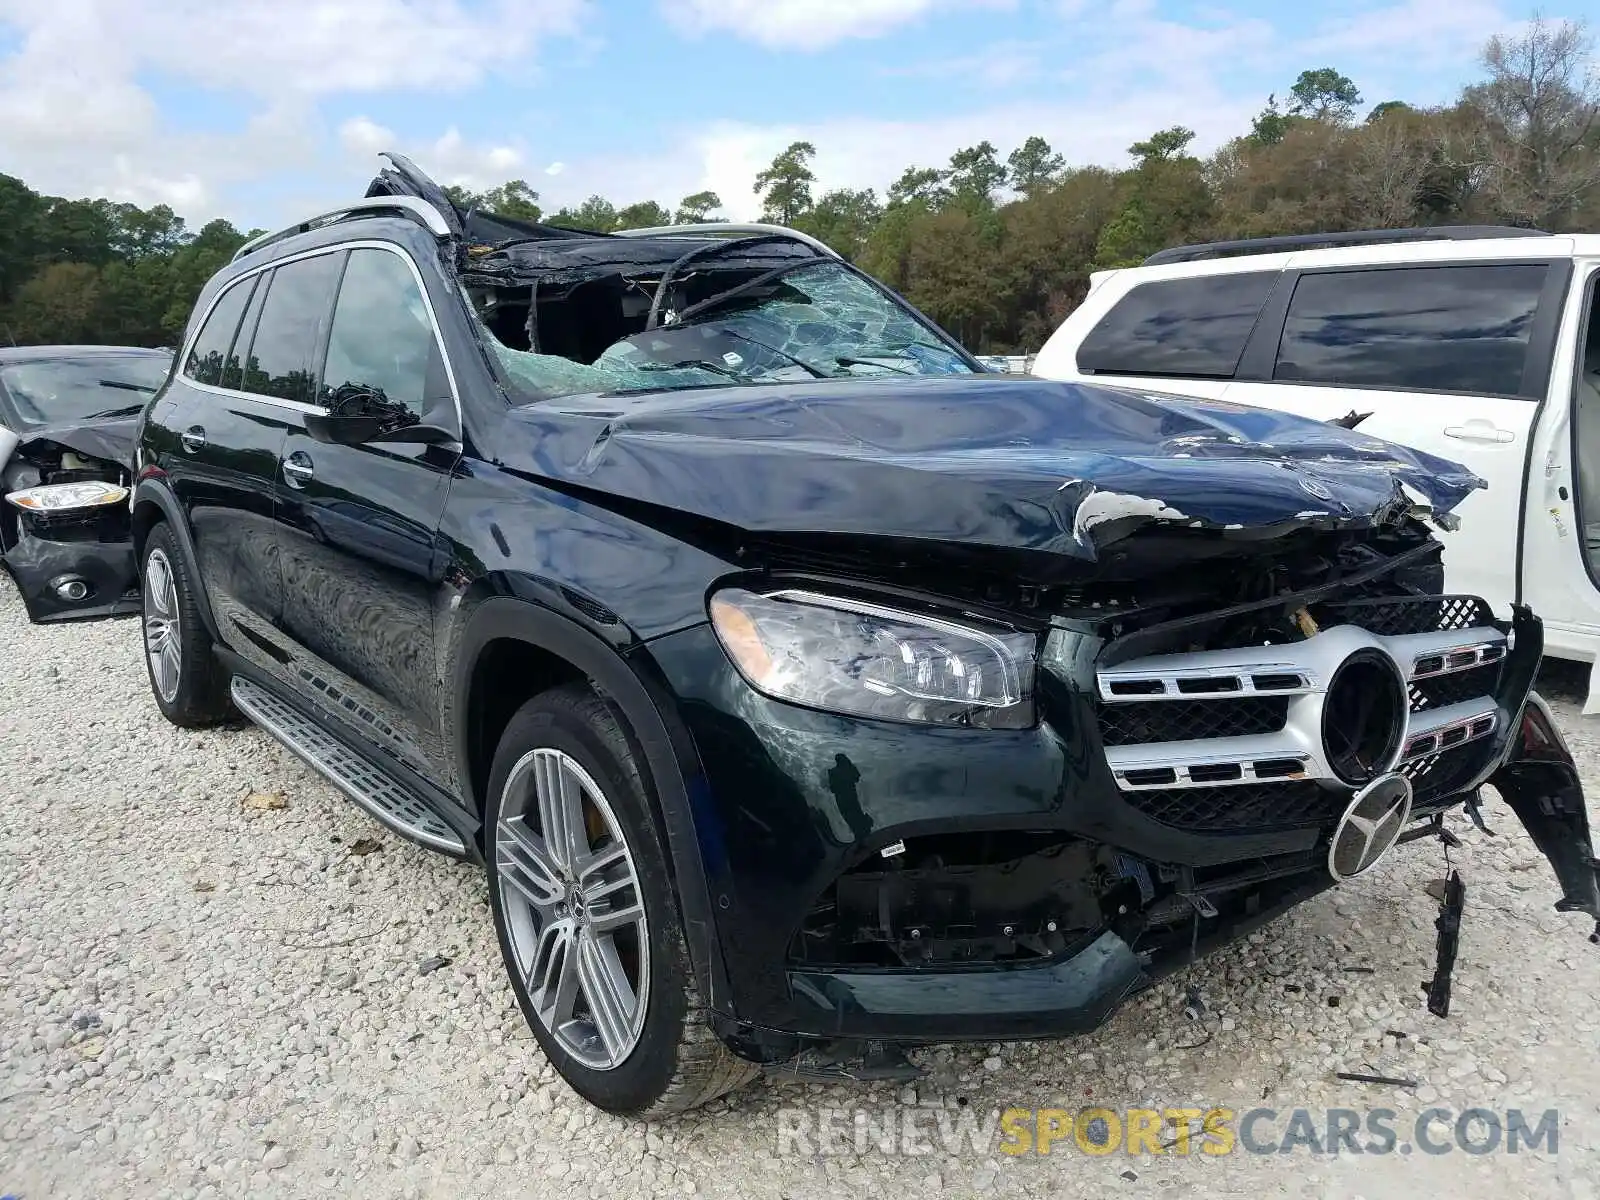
<point>1479,431</point>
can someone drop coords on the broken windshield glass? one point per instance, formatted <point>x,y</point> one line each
<point>815,321</point>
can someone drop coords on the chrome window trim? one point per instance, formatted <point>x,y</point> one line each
<point>336,248</point>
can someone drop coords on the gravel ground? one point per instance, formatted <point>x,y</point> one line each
<point>213,985</point>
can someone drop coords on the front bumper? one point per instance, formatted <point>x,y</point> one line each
<point>792,801</point>
<point>106,568</point>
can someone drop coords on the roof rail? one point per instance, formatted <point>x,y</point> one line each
<point>1359,237</point>
<point>421,210</point>
<point>730,227</point>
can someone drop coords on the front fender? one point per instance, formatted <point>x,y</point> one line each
<point>1539,780</point>
<point>631,684</point>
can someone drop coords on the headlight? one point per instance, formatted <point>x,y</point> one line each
<point>851,657</point>
<point>63,497</point>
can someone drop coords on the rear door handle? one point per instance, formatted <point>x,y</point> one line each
<point>1479,431</point>
<point>193,439</point>
<point>297,469</point>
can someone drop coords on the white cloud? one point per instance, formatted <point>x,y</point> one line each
<point>805,24</point>
<point>449,158</point>
<point>75,119</point>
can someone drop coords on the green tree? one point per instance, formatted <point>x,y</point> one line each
<point>843,218</point>
<point>1165,145</point>
<point>697,208</point>
<point>975,174</point>
<point>646,214</point>
<point>1324,95</point>
<point>1034,166</point>
<point>924,186</point>
<point>785,186</point>
<point>596,214</point>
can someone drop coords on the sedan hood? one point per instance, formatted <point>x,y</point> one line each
<point>107,439</point>
<point>1017,464</point>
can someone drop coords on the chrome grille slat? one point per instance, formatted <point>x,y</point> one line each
<point>1310,665</point>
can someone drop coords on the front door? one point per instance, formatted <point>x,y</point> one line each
<point>356,525</point>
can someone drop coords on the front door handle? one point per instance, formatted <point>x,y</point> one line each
<point>193,439</point>
<point>1479,431</point>
<point>297,469</point>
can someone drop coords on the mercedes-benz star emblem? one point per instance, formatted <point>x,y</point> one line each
<point>1315,488</point>
<point>1370,826</point>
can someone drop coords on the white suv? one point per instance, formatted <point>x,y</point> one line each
<point>1478,344</point>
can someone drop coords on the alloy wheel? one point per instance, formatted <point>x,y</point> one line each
<point>162,642</point>
<point>573,908</point>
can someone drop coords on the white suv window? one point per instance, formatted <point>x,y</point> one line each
<point>1456,329</point>
<point>1196,327</point>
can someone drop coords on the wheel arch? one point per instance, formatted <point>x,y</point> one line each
<point>546,650</point>
<point>153,504</point>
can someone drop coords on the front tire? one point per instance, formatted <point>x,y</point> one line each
<point>189,684</point>
<point>586,915</point>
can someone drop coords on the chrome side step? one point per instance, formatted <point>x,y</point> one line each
<point>369,787</point>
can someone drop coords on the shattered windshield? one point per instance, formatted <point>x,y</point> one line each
<point>812,320</point>
<point>50,391</point>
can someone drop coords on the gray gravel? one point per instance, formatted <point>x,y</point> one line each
<point>210,985</point>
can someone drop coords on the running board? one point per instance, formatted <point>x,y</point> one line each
<point>369,787</point>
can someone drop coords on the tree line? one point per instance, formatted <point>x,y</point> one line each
<point>996,248</point>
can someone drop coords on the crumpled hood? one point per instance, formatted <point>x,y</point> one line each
<point>110,439</point>
<point>1014,463</point>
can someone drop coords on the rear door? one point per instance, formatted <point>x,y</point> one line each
<point>243,380</point>
<point>1450,358</point>
<point>357,525</point>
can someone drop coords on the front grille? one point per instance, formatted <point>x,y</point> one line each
<point>1140,722</point>
<point>1392,617</point>
<point>1256,807</point>
<point>1237,741</point>
<point>1441,691</point>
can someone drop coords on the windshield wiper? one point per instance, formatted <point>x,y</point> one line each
<point>125,385</point>
<point>847,361</point>
<point>748,285</point>
<point>700,364</point>
<point>127,410</point>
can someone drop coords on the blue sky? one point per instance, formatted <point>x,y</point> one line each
<point>260,109</point>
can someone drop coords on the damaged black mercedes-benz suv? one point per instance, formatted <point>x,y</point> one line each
<point>807,692</point>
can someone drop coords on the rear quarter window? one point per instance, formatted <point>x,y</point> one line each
<point>1453,329</point>
<point>206,356</point>
<point>1178,327</point>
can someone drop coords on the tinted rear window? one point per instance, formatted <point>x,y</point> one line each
<point>1439,329</point>
<point>283,354</point>
<point>1178,327</point>
<point>204,363</point>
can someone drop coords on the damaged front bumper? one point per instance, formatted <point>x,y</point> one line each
<point>63,580</point>
<point>1539,781</point>
<point>881,883</point>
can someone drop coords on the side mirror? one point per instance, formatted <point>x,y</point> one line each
<point>340,429</point>
<point>357,416</point>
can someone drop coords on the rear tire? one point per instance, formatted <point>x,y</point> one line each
<point>583,902</point>
<point>189,684</point>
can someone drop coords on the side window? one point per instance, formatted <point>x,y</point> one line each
<point>233,368</point>
<point>1439,329</point>
<point>282,358</point>
<point>1196,326</point>
<point>205,361</point>
<point>382,340</point>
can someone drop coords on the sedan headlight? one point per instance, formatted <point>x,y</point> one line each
<point>848,656</point>
<point>65,497</point>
